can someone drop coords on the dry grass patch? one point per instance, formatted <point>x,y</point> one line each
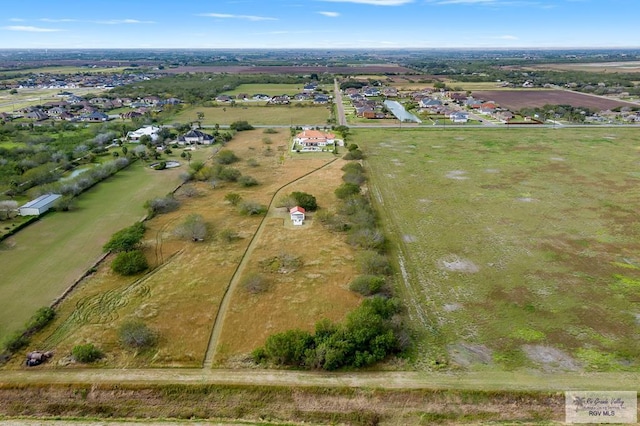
<point>297,297</point>
<point>179,297</point>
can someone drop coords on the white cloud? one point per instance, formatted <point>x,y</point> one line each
<point>16,20</point>
<point>30,29</point>
<point>123,21</point>
<point>374,2</point>
<point>485,2</point>
<point>244,17</point>
<point>330,14</point>
<point>57,20</point>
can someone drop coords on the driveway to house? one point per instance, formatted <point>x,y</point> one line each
<point>337,98</point>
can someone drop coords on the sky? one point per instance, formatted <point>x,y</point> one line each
<point>322,24</point>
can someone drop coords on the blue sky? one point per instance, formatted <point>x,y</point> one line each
<point>319,24</point>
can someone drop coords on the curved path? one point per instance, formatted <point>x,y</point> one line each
<point>235,278</point>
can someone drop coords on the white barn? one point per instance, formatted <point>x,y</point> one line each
<point>297,215</point>
<point>39,205</point>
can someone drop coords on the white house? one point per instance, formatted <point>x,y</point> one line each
<point>315,139</point>
<point>297,215</point>
<point>459,117</point>
<point>151,131</point>
<point>39,205</point>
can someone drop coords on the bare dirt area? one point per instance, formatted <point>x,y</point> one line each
<point>518,99</point>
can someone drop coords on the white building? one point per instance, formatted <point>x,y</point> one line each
<point>297,215</point>
<point>151,131</point>
<point>39,205</point>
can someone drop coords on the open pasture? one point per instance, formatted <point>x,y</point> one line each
<point>180,296</point>
<point>514,100</point>
<point>42,260</point>
<point>258,114</point>
<point>516,248</point>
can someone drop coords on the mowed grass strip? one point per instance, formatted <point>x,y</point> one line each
<point>259,114</point>
<point>521,247</point>
<point>42,260</point>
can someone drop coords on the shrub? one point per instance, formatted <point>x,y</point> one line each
<point>357,178</point>
<point>252,208</point>
<point>373,263</point>
<point>226,156</point>
<point>353,168</point>
<point>247,181</point>
<point>270,131</point>
<point>129,262</point>
<point>233,198</point>
<point>227,174</point>
<point>240,126</point>
<point>40,319</point>
<point>367,285</point>
<point>353,155</point>
<point>346,190</point>
<point>162,205</point>
<point>289,347</point>
<point>126,239</point>
<point>255,283</point>
<point>16,341</point>
<point>228,235</point>
<point>252,162</point>
<point>86,353</point>
<point>304,200</point>
<point>193,228</point>
<point>367,238</point>
<point>136,335</point>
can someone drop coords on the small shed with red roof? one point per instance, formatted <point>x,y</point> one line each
<point>297,215</point>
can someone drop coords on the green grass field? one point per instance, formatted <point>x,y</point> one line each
<point>64,70</point>
<point>258,115</point>
<point>267,89</point>
<point>520,248</point>
<point>42,260</point>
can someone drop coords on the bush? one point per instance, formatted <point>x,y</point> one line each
<point>240,126</point>
<point>126,239</point>
<point>136,335</point>
<point>289,347</point>
<point>247,181</point>
<point>226,156</point>
<point>86,353</point>
<point>255,283</point>
<point>16,341</point>
<point>228,235</point>
<point>40,319</point>
<point>252,208</point>
<point>346,190</point>
<point>373,263</point>
<point>129,262</point>
<point>367,285</point>
<point>162,205</point>
<point>193,228</point>
<point>367,238</point>
<point>353,168</point>
<point>356,154</point>
<point>304,200</point>
<point>227,174</point>
<point>233,198</point>
<point>252,162</point>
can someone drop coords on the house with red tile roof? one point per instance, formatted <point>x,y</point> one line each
<point>297,215</point>
<point>314,140</point>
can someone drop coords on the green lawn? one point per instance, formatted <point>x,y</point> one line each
<point>271,89</point>
<point>42,260</point>
<point>515,242</point>
<point>259,115</point>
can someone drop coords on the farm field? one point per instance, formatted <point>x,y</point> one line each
<point>517,249</point>
<point>598,67</point>
<point>180,296</point>
<point>41,261</point>
<point>258,115</point>
<point>271,89</point>
<point>31,97</point>
<point>514,100</point>
<point>65,70</point>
